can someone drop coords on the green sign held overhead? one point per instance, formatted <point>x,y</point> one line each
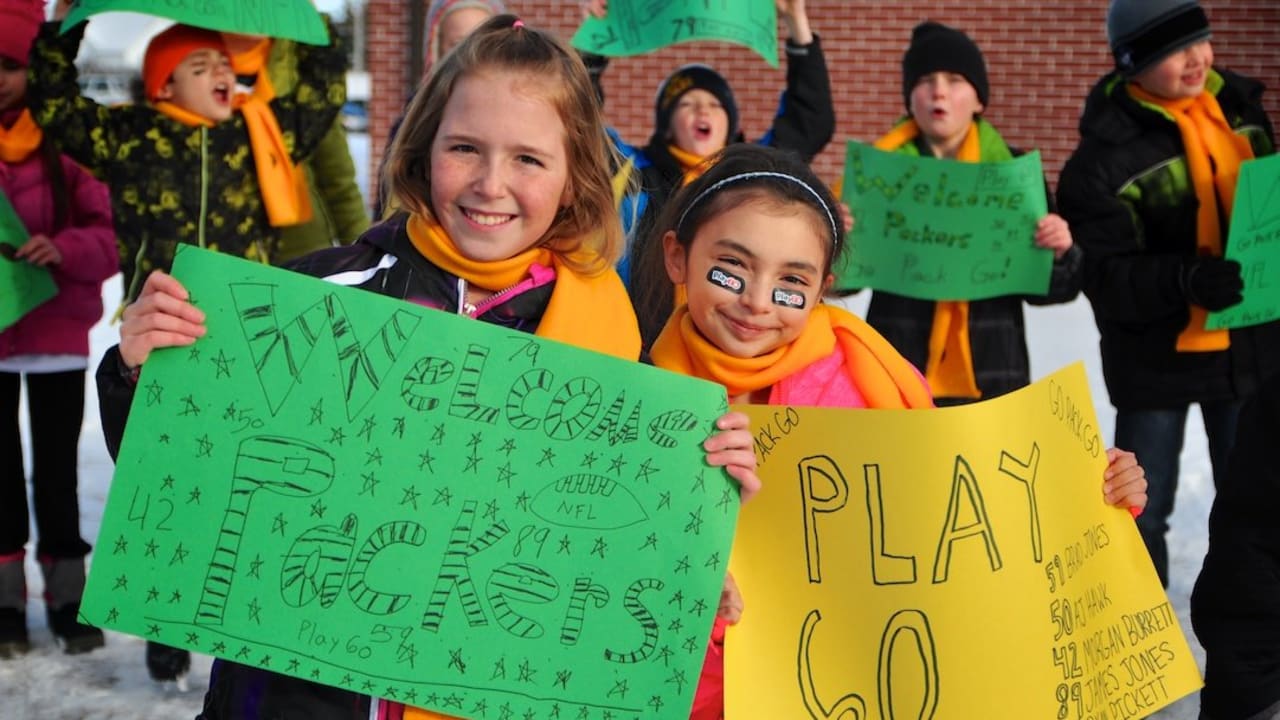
<point>944,230</point>
<point>23,286</point>
<point>633,27</point>
<point>366,493</point>
<point>1254,241</point>
<point>293,19</point>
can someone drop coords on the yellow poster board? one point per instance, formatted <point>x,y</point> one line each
<point>948,564</point>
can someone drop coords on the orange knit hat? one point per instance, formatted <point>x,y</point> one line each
<point>170,48</point>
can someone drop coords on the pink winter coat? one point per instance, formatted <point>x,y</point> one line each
<point>89,256</point>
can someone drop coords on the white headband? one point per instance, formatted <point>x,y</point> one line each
<point>835,232</point>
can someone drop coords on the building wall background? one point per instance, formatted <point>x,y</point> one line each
<point>1042,58</point>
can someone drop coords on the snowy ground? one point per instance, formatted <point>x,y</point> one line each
<point>112,683</point>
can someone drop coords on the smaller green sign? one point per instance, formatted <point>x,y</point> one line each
<point>23,286</point>
<point>1254,241</point>
<point>293,19</point>
<point>634,27</point>
<point>944,230</point>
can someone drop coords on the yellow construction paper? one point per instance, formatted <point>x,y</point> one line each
<point>955,563</point>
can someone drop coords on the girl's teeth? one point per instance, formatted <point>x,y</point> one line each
<point>486,219</point>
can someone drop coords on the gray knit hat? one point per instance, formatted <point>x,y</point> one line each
<point>1144,32</point>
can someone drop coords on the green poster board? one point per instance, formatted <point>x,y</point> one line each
<point>944,230</point>
<point>362,492</point>
<point>1254,241</point>
<point>633,27</point>
<point>293,19</point>
<point>23,286</point>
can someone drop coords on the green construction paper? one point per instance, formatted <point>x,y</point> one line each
<point>633,27</point>
<point>1254,241</point>
<point>423,507</point>
<point>23,286</point>
<point>944,230</point>
<point>294,19</point>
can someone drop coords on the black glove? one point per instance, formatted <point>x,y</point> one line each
<point>1212,283</point>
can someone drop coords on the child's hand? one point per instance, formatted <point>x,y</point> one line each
<point>595,8</point>
<point>1053,233</point>
<point>61,8</point>
<point>1124,482</point>
<point>846,217</point>
<point>39,250</point>
<point>731,605</point>
<point>162,316</point>
<point>733,449</point>
<point>796,19</point>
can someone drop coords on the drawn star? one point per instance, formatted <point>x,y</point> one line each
<point>113,615</point>
<point>453,700</point>
<point>366,429</point>
<point>122,546</point>
<point>665,655</point>
<point>175,597</point>
<point>699,483</point>
<point>438,436</point>
<point>293,665</point>
<point>152,547</point>
<point>676,625</point>
<point>522,501</point>
<point>679,679</point>
<point>367,686</point>
<point>153,630</point>
<point>389,692</point>
<point>347,679</point>
<point>193,496</point>
<point>336,436</point>
<point>692,645</point>
<point>255,566</point>
<point>410,497</point>
<point>230,412</point>
<point>154,393</point>
<point>456,661</point>
<point>255,611</point>
<point>223,364</point>
<point>695,522</point>
<point>264,661</point>
<point>584,713</point>
<point>683,566</point>
<point>664,500</point>
<point>620,689</point>
<point>727,498</point>
<point>527,672</point>
<point>474,442</point>
<point>473,463</point>
<point>562,678</point>
<point>443,496</point>
<point>615,465</point>
<point>179,555</point>
<point>713,561</point>
<point>315,673</point>
<point>480,708</point>
<point>646,469</point>
<point>589,459</point>
<point>555,711</point>
<point>373,458</point>
<point>194,354</point>
<point>548,457</point>
<point>398,428</point>
<point>505,473</point>
<point>499,669</point>
<point>655,702</point>
<point>425,460</point>
<point>508,447</point>
<point>564,545</point>
<point>411,696</point>
<point>189,407</point>
<point>699,607</point>
<point>505,712</point>
<point>205,446</point>
<point>370,484</point>
<point>677,599</point>
<point>491,510</point>
<point>317,413</point>
<point>167,483</point>
<point>122,583</point>
<point>318,509</point>
<point>278,524</point>
<point>528,714</point>
<point>218,648</point>
<point>164,438</point>
<point>599,547</point>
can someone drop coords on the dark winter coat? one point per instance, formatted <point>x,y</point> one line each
<point>172,183</point>
<point>1126,193</point>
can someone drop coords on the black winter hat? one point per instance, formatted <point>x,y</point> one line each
<point>938,48</point>
<point>1144,32</point>
<point>684,79</point>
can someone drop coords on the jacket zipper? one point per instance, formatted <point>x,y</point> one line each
<point>466,308</point>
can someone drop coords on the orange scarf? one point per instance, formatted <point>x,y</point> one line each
<point>283,184</point>
<point>883,377</point>
<point>181,114</point>
<point>1214,153</point>
<point>692,165</point>
<point>589,312</point>
<point>18,141</point>
<point>949,368</point>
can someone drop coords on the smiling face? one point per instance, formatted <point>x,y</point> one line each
<point>699,123</point>
<point>499,167</point>
<point>944,104</point>
<point>202,83</point>
<point>758,247</point>
<point>13,83</point>
<point>1181,75</point>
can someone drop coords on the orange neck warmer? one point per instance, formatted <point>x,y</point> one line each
<point>692,165</point>
<point>18,141</point>
<point>181,114</point>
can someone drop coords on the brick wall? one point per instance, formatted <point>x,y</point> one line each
<point>1042,58</point>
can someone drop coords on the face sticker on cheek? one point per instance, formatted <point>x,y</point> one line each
<point>727,280</point>
<point>787,298</point>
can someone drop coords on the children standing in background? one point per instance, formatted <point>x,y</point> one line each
<point>753,241</point>
<point>1148,193</point>
<point>696,116</point>
<point>68,217</point>
<point>183,168</point>
<point>267,67</point>
<point>502,171</point>
<point>968,350</point>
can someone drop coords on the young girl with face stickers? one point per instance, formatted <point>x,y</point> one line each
<point>753,241</point>
<point>502,171</point>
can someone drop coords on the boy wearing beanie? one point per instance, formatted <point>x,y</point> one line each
<point>1149,193</point>
<point>186,166</point>
<point>968,350</point>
